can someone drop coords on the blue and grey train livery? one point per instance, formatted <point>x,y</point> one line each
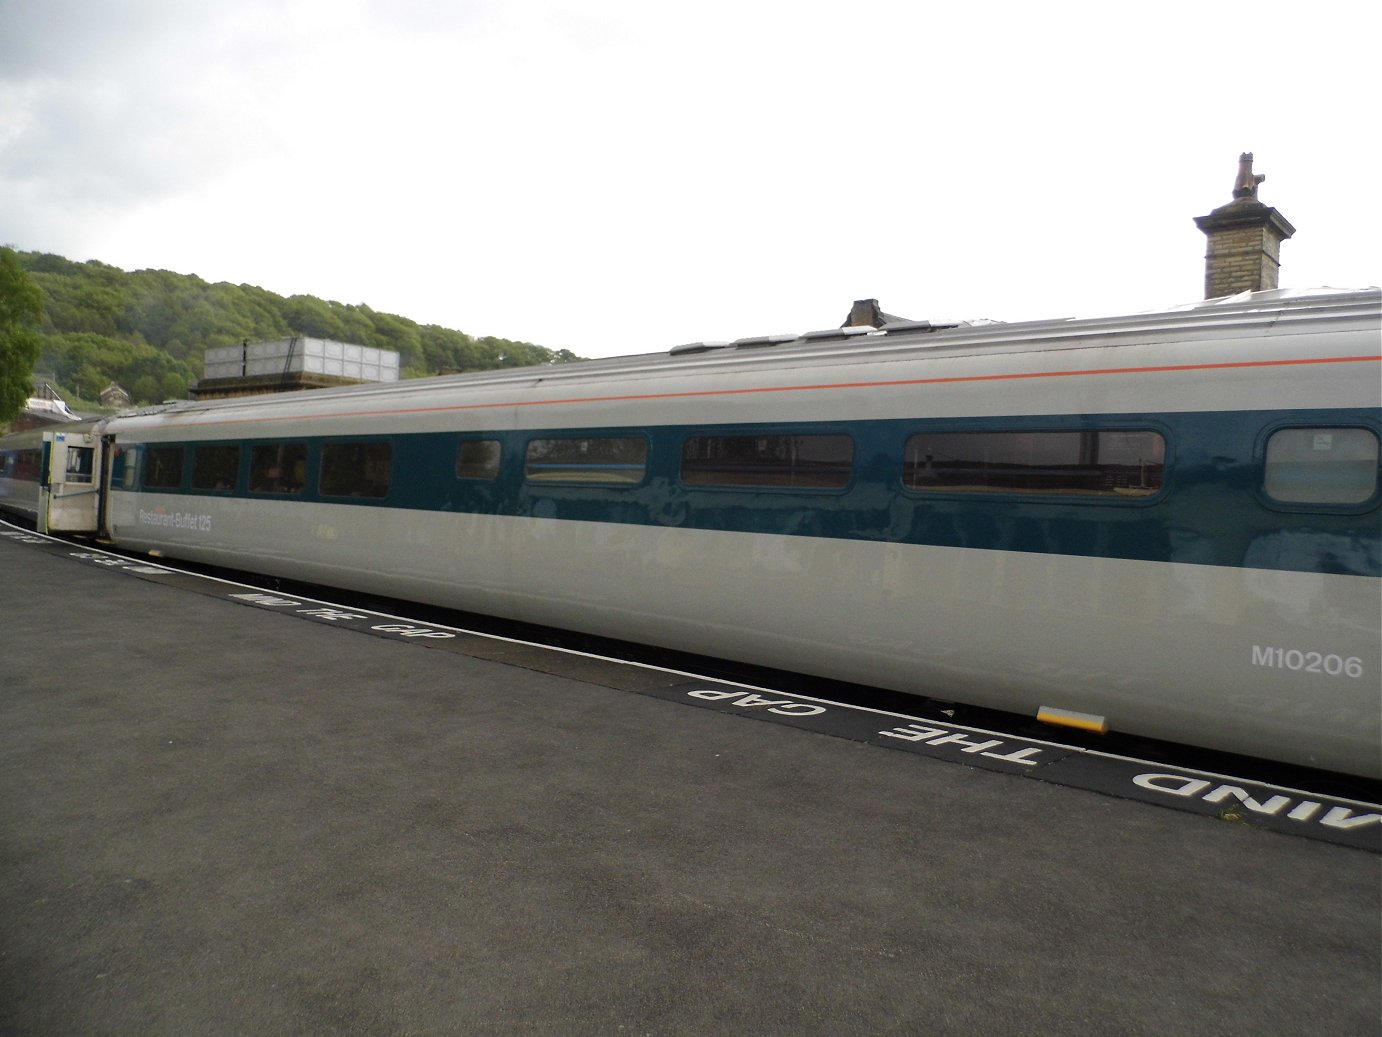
<point>1165,524</point>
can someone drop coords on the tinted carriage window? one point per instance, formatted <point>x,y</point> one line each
<point>81,462</point>
<point>20,464</point>
<point>818,462</point>
<point>478,459</point>
<point>278,468</point>
<point>356,469</point>
<point>215,467</point>
<point>163,467</point>
<point>619,459</point>
<point>1321,465</point>
<point>1092,462</point>
<point>127,463</point>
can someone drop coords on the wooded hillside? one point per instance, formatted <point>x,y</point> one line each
<point>148,330</point>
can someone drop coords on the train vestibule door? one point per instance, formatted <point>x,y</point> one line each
<point>69,489</point>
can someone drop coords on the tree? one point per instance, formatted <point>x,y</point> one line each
<point>101,324</point>
<point>144,390</point>
<point>173,387</point>
<point>21,312</point>
<point>310,316</point>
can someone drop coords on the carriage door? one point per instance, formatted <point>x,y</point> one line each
<point>69,487</point>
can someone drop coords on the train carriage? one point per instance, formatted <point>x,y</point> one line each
<point>1167,522</point>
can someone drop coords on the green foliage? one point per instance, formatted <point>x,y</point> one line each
<point>21,309</point>
<point>148,330</point>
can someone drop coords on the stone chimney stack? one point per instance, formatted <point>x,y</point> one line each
<point>865,313</point>
<point>1245,239</point>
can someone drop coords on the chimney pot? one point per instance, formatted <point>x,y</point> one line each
<point>1245,236</point>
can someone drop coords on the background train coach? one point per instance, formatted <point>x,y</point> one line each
<point>1167,524</point>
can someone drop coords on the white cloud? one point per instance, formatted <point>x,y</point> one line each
<point>619,176</point>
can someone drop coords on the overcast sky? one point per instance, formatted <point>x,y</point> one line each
<point>619,176</point>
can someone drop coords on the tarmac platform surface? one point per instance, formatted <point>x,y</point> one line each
<point>220,820</point>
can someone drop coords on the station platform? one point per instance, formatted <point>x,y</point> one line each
<point>216,818</point>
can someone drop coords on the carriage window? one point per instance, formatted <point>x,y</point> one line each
<point>587,460</point>
<point>812,462</point>
<point>215,467</point>
<point>1321,465</point>
<point>1091,463</point>
<point>278,468</point>
<point>477,459</point>
<point>21,464</point>
<point>163,468</point>
<point>356,469</point>
<point>80,462</point>
<point>127,464</point>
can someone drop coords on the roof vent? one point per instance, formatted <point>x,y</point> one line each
<point>696,347</point>
<point>759,341</point>
<point>916,325</point>
<point>826,334</point>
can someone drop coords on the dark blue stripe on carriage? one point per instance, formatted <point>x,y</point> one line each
<point>1210,510</point>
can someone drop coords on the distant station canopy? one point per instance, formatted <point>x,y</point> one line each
<point>44,407</point>
<point>288,364</point>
